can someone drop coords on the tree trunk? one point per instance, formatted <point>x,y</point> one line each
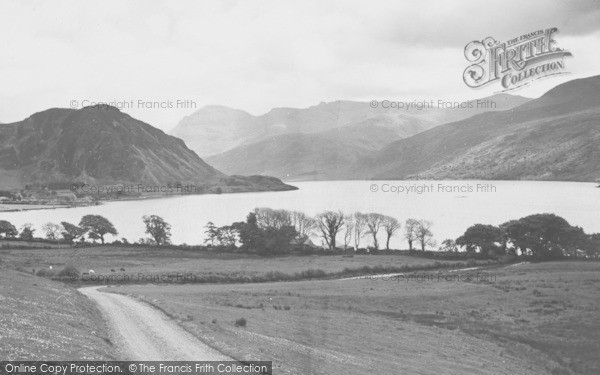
<point>410,243</point>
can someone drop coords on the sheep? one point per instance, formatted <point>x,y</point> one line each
<point>92,272</point>
<point>123,269</point>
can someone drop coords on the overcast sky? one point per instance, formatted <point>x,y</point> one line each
<point>256,55</point>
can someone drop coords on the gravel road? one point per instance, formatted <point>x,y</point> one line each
<point>147,334</point>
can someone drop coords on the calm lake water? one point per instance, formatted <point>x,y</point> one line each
<point>452,206</point>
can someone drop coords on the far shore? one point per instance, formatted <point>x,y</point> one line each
<point>17,207</point>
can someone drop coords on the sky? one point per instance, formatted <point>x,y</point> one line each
<point>257,55</point>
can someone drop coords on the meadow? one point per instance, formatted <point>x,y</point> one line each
<point>153,261</point>
<point>534,318</point>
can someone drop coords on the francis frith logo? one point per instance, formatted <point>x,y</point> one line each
<point>516,62</point>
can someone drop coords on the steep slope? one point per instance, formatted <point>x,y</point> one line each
<point>555,137</point>
<point>96,145</point>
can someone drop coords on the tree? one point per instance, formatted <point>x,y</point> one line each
<point>360,224</point>
<point>212,234</point>
<point>250,234</point>
<point>304,226</point>
<point>27,232</point>
<point>390,226</point>
<point>481,238</point>
<point>349,228</point>
<point>71,232</point>
<point>52,230</point>
<point>97,227</point>
<point>449,245</point>
<point>227,236</point>
<point>7,229</point>
<point>410,232</point>
<point>593,245</point>
<point>329,224</point>
<point>269,240</point>
<point>270,218</point>
<point>374,223</point>
<point>158,228</point>
<point>544,236</point>
<point>424,234</point>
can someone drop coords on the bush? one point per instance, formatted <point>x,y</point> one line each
<point>44,272</point>
<point>241,322</point>
<point>70,272</point>
<point>471,262</point>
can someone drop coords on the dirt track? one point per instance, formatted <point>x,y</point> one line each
<point>146,334</point>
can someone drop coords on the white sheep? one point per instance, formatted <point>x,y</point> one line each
<point>92,272</point>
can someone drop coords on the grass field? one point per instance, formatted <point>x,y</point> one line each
<point>521,319</point>
<point>152,261</point>
<point>45,320</point>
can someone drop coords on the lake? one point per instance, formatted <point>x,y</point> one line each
<point>452,206</point>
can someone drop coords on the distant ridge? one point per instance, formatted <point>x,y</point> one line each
<point>216,129</point>
<point>332,136</point>
<point>554,137</point>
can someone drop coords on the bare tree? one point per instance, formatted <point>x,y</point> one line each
<point>349,228</point>
<point>304,225</point>
<point>270,218</point>
<point>52,230</point>
<point>330,223</point>
<point>360,224</point>
<point>374,222</point>
<point>424,234</point>
<point>410,231</point>
<point>390,226</point>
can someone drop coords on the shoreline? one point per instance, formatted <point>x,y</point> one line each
<point>21,207</point>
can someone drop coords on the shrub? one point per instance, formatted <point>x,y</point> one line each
<point>70,272</point>
<point>471,262</point>
<point>241,322</point>
<point>44,272</point>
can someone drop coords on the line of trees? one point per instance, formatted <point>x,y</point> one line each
<point>93,227</point>
<point>266,230</point>
<point>269,230</point>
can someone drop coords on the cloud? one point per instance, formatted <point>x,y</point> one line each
<point>256,55</point>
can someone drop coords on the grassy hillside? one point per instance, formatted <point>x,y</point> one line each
<point>555,137</point>
<point>45,320</point>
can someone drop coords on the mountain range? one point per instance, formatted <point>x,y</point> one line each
<point>215,129</point>
<point>319,142</point>
<point>554,137</point>
<point>102,145</point>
